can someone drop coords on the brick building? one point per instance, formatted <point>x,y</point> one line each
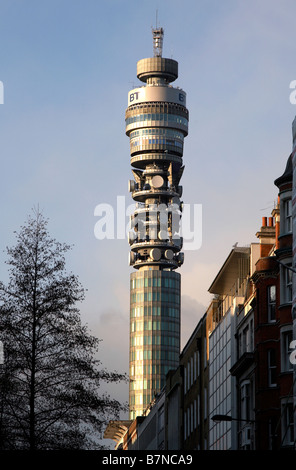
<point>273,325</point>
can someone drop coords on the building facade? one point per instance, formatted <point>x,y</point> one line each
<point>156,124</point>
<point>264,332</point>
<point>230,338</point>
<point>294,259</point>
<point>194,362</point>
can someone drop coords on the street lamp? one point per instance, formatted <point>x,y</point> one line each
<point>219,418</point>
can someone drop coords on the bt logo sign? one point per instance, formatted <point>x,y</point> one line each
<point>134,96</point>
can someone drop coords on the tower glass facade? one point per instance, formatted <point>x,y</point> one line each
<point>154,333</point>
<point>156,123</point>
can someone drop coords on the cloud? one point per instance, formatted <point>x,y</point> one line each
<point>198,276</point>
<point>113,328</point>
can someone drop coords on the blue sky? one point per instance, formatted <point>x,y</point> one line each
<point>67,67</point>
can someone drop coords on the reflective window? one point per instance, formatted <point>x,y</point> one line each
<point>288,423</point>
<point>271,303</point>
<point>271,356</point>
<point>156,117</point>
<point>288,215</point>
<point>286,338</point>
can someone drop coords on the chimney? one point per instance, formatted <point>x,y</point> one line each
<point>276,217</point>
<point>266,236</point>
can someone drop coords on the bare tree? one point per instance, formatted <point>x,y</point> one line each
<point>50,379</point>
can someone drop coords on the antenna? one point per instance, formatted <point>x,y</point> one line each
<point>157,41</point>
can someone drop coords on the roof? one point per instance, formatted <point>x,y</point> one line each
<point>287,175</point>
<point>117,429</point>
<point>231,271</point>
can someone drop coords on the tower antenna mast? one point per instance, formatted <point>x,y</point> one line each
<point>157,40</point>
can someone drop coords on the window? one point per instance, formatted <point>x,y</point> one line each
<point>286,339</point>
<point>188,375</point>
<point>195,415</point>
<point>161,418</point>
<point>246,339</point>
<point>271,367</point>
<point>195,365</point>
<point>286,283</point>
<point>188,421</point>
<point>288,279</point>
<point>272,430</point>
<point>205,352</point>
<point>288,424</point>
<point>287,215</point>
<point>245,400</point>
<point>271,302</point>
<point>205,403</point>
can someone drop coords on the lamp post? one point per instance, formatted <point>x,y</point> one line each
<point>219,418</point>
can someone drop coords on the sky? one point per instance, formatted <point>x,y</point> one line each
<point>67,66</point>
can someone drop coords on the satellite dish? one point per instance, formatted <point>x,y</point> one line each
<point>157,181</point>
<point>163,235</point>
<point>131,186</point>
<point>181,258</point>
<point>155,254</point>
<point>169,254</point>
<point>131,258</point>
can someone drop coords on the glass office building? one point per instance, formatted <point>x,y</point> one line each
<point>156,124</point>
<point>220,383</point>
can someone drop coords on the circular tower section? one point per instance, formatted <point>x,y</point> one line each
<point>156,124</point>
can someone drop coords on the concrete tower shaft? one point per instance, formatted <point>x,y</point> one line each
<point>156,123</point>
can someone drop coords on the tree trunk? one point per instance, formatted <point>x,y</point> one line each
<point>33,365</point>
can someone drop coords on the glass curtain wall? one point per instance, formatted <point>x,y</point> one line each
<point>154,334</point>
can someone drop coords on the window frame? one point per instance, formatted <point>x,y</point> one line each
<point>287,423</point>
<point>271,304</point>
<point>286,278</point>
<point>271,364</point>
<point>287,208</point>
<point>286,339</point>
